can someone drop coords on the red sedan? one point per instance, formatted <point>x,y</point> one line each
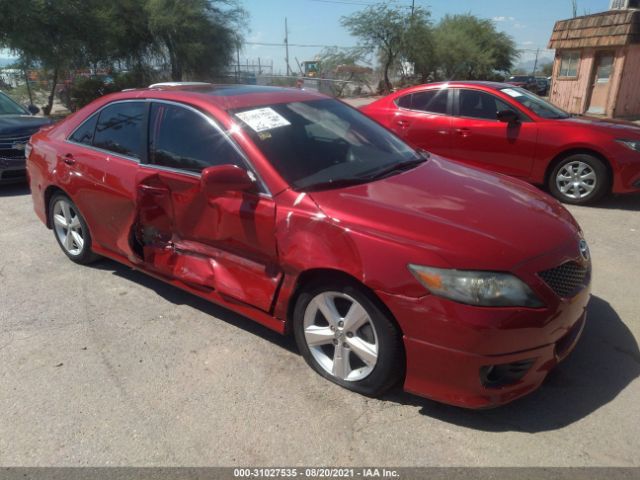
<point>509,130</point>
<point>387,264</point>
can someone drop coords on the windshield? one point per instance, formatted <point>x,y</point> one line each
<point>9,107</point>
<point>323,144</point>
<point>534,103</point>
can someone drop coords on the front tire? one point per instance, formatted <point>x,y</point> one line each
<point>70,229</point>
<point>579,179</point>
<point>347,338</point>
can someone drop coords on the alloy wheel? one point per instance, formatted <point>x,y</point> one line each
<point>341,336</point>
<point>68,227</point>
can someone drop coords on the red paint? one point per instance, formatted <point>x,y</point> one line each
<point>526,150</point>
<point>247,251</point>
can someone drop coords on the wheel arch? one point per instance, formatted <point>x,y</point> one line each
<point>575,151</point>
<point>49,192</point>
<point>328,275</point>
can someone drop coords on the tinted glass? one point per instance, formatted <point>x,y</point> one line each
<point>434,101</point>
<point>476,104</point>
<point>322,144</point>
<point>404,102</point>
<point>84,133</point>
<point>121,129</point>
<point>534,103</point>
<point>180,138</point>
<point>9,107</point>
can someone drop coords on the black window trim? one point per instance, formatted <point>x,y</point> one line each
<point>449,101</point>
<point>144,162</point>
<point>109,152</point>
<point>456,105</point>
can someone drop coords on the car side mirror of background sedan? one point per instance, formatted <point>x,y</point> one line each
<point>507,116</point>
<point>220,179</point>
<point>33,110</point>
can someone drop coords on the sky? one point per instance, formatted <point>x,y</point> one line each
<point>317,22</point>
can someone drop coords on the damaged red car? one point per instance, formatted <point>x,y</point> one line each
<point>388,264</point>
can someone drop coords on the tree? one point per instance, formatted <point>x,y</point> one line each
<point>470,48</point>
<point>381,29</point>
<point>197,36</point>
<point>547,69</point>
<point>419,45</point>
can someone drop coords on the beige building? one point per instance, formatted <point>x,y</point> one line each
<point>597,63</point>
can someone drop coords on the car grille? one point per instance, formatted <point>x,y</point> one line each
<point>8,141</point>
<point>567,279</point>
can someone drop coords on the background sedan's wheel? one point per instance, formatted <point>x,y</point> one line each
<point>70,229</point>
<point>579,179</point>
<point>346,337</point>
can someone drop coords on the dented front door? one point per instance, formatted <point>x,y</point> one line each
<point>223,244</point>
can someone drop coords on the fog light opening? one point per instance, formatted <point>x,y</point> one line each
<point>496,376</point>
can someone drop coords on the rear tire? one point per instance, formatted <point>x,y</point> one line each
<point>345,336</point>
<point>579,179</point>
<point>70,229</point>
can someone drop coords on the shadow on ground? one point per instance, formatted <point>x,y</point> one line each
<point>603,363</point>
<point>620,202</point>
<point>180,297</point>
<point>14,189</point>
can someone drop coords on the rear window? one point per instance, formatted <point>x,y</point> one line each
<point>121,129</point>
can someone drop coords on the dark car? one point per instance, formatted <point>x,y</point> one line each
<point>17,124</point>
<point>543,86</point>
<point>527,82</point>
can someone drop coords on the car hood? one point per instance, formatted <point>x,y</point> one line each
<point>469,218</point>
<point>615,127</point>
<point>15,124</point>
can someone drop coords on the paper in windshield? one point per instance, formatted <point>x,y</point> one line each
<point>262,119</point>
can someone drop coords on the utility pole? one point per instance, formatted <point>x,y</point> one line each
<point>286,46</point>
<point>535,64</point>
<point>413,7</point>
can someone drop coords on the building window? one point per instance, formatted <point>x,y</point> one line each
<point>569,64</point>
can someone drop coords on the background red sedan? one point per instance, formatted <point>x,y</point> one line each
<point>509,130</point>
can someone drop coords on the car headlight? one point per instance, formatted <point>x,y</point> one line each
<point>632,144</point>
<point>486,289</point>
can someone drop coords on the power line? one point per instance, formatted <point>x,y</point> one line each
<point>268,44</point>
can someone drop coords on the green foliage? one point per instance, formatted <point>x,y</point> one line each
<point>194,38</point>
<point>380,28</point>
<point>547,69</point>
<point>470,48</point>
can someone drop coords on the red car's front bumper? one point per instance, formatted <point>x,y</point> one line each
<point>478,357</point>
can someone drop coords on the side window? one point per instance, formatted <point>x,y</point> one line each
<point>569,64</point>
<point>432,101</point>
<point>180,138</point>
<point>404,102</point>
<point>121,129</point>
<point>84,133</point>
<point>476,104</point>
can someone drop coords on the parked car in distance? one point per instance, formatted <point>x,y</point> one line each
<point>528,82</point>
<point>387,264</point>
<point>17,124</point>
<point>543,86</point>
<point>508,130</point>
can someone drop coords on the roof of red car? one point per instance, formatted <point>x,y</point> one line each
<point>462,83</point>
<point>229,97</point>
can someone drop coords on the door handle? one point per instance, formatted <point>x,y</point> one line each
<point>464,132</point>
<point>402,123</point>
<point>68,159</point>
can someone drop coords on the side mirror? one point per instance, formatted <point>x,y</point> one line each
<point>507,116</point>
<point>33,110</point>
<point>220,179</point>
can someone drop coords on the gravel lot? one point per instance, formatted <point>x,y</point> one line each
<point>102,365</point>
